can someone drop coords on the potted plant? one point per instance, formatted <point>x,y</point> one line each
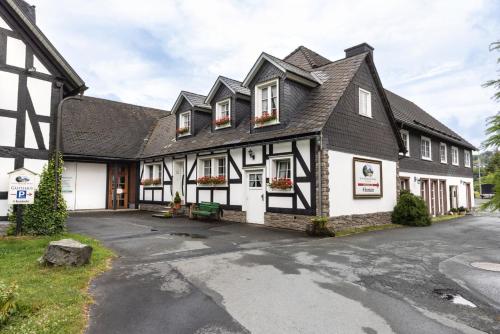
<point>266,117</point>
<point>182,131</point>
<point>177,200</point>
<point>223,121</point>
<point>453,211</point>
<point>318,228</point>
<point>462,211</point>
<point>211,180</point>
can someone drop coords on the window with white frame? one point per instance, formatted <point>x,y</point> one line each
<point>365,103</point>
<point>281,167</point>
<point>221,166</point>
<point>207,167</point>
<point>405,135</point>
<point>454,156</point>
<point>184,124</point>
<point>213,167</point>
<point>425,148</point>
<point>152,175</point>
<point>467,158</point>
<point>267,103</point>
<point>223,114</point>
<point>443,153</point>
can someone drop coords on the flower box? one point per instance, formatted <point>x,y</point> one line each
<point>266,117</point>
<point>211,180</point>
<point>182,131</point>
<point>223,121</point>
<point>150,182</point>
<point>281,184</point>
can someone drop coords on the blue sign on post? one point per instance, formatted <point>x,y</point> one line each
<point>21,194</point>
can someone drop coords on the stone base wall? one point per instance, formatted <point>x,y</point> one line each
<point>234,216</point>
<point>286,221</point>
<point>153,207</point>
<point>372,219</point>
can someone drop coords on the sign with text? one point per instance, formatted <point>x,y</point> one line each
<point>22,186</point>
<point>367,176</point>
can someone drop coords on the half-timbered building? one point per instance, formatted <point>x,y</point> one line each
<point>298,137</point>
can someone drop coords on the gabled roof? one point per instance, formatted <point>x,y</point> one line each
<point>306,59</point>
<point>409,114</point>
<point>292,72</point>
<point>309,120</point>
<point>93,127</point>
<point>233,85</point>
<point>195,100</point>
<point>22,16</point>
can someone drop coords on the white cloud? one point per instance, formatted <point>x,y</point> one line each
<point>432,52</point>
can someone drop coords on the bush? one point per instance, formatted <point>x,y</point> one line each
<point>40,218</point>
<point>411,210</point>
<point>8,305</point>
<point>177,198</point>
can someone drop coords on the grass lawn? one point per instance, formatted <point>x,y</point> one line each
<point>51,300</point>
<point>356,230</point>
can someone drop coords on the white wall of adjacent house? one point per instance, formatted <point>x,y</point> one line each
<point>40,92</point>
<point>461,184</point>
<point>84,185</point>
<point>342,201</point>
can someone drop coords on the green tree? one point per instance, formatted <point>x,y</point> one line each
<point>493,134</point>
<point>42,217</point>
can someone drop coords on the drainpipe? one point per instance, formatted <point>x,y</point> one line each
<point>58,142</point>
<point>320,160</point>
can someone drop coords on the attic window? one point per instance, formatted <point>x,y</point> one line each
<point>266,103</point>
<point>184,127</point>
<point>223,114</point>
<point>365,103</point>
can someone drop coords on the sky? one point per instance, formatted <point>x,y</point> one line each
<point>434,53</point>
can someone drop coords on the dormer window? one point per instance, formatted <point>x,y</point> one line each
<point>266,104</point>
<point>223,114</point>
<point>365,103</point>
<point>184,124</point>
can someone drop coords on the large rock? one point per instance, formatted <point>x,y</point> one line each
<point>66,252</point>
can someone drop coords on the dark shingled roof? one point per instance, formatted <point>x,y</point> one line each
<point>235,85</point>
<point>306,59</point>
<point>309,119</point>
<point>196,100</point>
<point>293,68</point>
<point>27,9</point>
<point>108,129</point>
<point>408,113</point>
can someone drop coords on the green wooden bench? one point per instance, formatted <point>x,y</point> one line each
<point>207,210</point>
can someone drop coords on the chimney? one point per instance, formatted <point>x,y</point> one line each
<point>358,49</point>
<point>28,10</point>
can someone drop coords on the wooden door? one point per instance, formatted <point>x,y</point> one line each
<point>443,197</point>
<point>424,193</point>
<point>434,198</point>
<point>468,194</point>
<point>118,187</point>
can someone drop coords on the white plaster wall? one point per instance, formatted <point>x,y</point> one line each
<point>305,188</point>
<point>157,195</point>
<point>257,151</point>
<point>4,208</point>
<point>29,134</point>
<point>39,66</point>
<point>41,93</point>
<point>280,202</point>
<point>6,166</point>
<point>167,196</point>
<point>35,165</point>
<point>220,196</point>
<point>237,193</point>
<point>304,148</point>
<point>450,181</point>
<point>16,52</point>
<point>282,147</point>
<point>141,191</point>
<point>341,187</point>
<point>204,196</point>
<point>8,131</point>
<point>9,83</point>
<point>148,195</point>
<point>89,182</point>
<point>4,24</point>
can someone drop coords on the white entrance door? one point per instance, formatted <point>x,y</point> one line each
<point>178,179</point>
<point>255,200</point>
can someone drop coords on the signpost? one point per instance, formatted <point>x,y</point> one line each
<point>367,178</point>
<point>22,186</point>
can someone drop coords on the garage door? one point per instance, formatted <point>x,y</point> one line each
<point>84,185</point>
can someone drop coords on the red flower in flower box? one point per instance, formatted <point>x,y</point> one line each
<point>281,184</point>
<point>181,131</point>
<point>211,180</point>
<point>222,121</point>
<point>266,117</point>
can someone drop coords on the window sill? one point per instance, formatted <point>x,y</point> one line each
<point>367,116</point>
<point>457,165</point>
<point>426,159</point>
<point>223,126</point>
<point>153,186</point>
<point>282,191</point>
<point>184,135</point>
<point>407,155</point>
<point>270,123</point>
<point>211,185</point>
<point>444,162</point>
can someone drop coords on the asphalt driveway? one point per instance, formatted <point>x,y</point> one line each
<point>180,276</point>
